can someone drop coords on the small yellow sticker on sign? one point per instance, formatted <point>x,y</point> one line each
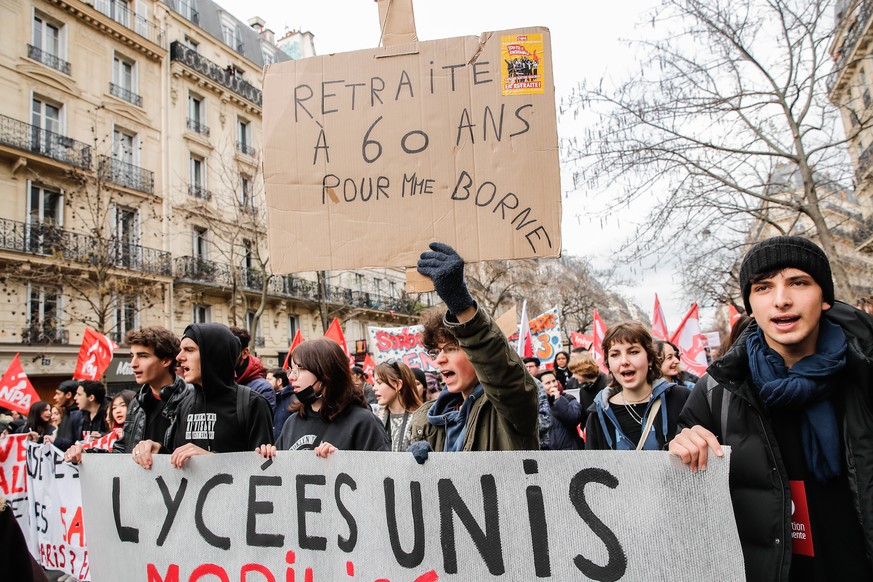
<point>524,64</point>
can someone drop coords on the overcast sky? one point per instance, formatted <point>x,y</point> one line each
<point>587,44</point>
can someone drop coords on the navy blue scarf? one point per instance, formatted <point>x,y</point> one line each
<point>806,386</point>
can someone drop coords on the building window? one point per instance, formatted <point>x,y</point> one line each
<point>126,318</point>
<point>126,237</point>
<point>244,137</point>
<point>43,313</point>
<point>359,282</point>
<point>125,146</point>
<point>197,178</point>
<point>188,9</point>
<point>124,81</point>
<point>245,196</point>
<point>293,326</point>
<point>44,219</point>
<point>230,33</point>
<point>200,246</point>
<point>269,57</point>
<point>201,314</point>
<point>197,114</point>
<point>48,43</point>
<point>190,43</point>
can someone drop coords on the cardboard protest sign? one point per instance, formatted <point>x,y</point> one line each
<point>403,343</point>
<point>13,480</point>
<point>526,515</point>
<point>372,155</point>
<point>545,335</point>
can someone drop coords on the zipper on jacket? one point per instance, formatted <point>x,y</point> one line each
<point>784,542</point>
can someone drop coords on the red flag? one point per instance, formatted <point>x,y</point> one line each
<point>659,324</point>
<point>95,355</point>
<point>597,345</point>
<point>524,347</point>
<point>691,342</point>
<point>368,367</point>
<point>298,339</point>
<point>733,315</point>
<point>335,332</point>
<point>16,391</point>
<point>581,340</point>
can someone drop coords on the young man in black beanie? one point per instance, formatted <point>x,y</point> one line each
<point>794,399</point>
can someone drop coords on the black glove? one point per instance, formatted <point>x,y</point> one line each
<point>419,450</point>
<point>445,267</point>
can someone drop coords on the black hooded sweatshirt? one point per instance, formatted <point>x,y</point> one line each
<point>208,417</point>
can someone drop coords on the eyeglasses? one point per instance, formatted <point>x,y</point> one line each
<point>294,372</point>
<point>446,349</point>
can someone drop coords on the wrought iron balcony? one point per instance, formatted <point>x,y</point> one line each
<point>29,138</point>
<point>252,279</point>
<point>200,128</point>
<point>125,174</point>
<point>244,148</point>
<point>48,59</point>
<point>44,333</point>
<point>198,191</point>
<point>125,94</point>
<point>226,77</point>
<point>186,9</point>
<point>203,271</point>
<point>120,13</point>
<point>864,162</point>
<point>45,239</point>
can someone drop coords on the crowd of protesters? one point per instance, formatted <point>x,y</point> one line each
<point>791,394</point>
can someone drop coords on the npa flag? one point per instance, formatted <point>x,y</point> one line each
<point>368,367</point>
<point>95,355</point>
<point>335,332</point>
<point>733,315</point>
<point>298,339</point>
<point>691,342</point>
<point>597,344</point>
<point>659,324</point>
<point>16,391</point>
<point>524,347</point>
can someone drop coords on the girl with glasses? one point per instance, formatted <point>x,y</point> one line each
<point>398,398</point>
<point>330,412</point>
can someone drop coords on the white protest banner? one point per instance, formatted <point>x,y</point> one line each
<point>55,504</point>
<point>373,154</point>
<point>525,515</point>
<point>13,482</point>
<point>545,332</point>
<point>403,343</point>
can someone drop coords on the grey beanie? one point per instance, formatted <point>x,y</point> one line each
<point>784,252</point>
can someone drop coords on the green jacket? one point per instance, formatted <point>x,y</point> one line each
<point>505,418</point>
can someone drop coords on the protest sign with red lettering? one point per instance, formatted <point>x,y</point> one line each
<point>95,355</point>
<point>403,343</point>
<point>13,481</point>
<point>16,391</point>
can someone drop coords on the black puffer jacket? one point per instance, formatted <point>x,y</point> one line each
<point>728,404</point>
<point>135,423</point>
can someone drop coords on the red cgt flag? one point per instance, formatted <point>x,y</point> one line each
<point>369,367</point>
<point>95,355</point>
<point>597,345</point>
<point>298,339</point>
<point>335,332</point>
<point>16,391</point>
<point>659,324</point>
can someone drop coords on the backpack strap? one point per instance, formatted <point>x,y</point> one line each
<point>718,406</point>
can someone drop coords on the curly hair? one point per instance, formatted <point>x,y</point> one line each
<point>633,332</point>
<point>160,339</point>
<point>584,366</point>
<point>435,330</point>
<point>330,365</point>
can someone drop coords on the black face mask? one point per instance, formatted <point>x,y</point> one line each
<point>308,395</point>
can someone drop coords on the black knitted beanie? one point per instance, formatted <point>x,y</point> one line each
<point>783,252</point>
